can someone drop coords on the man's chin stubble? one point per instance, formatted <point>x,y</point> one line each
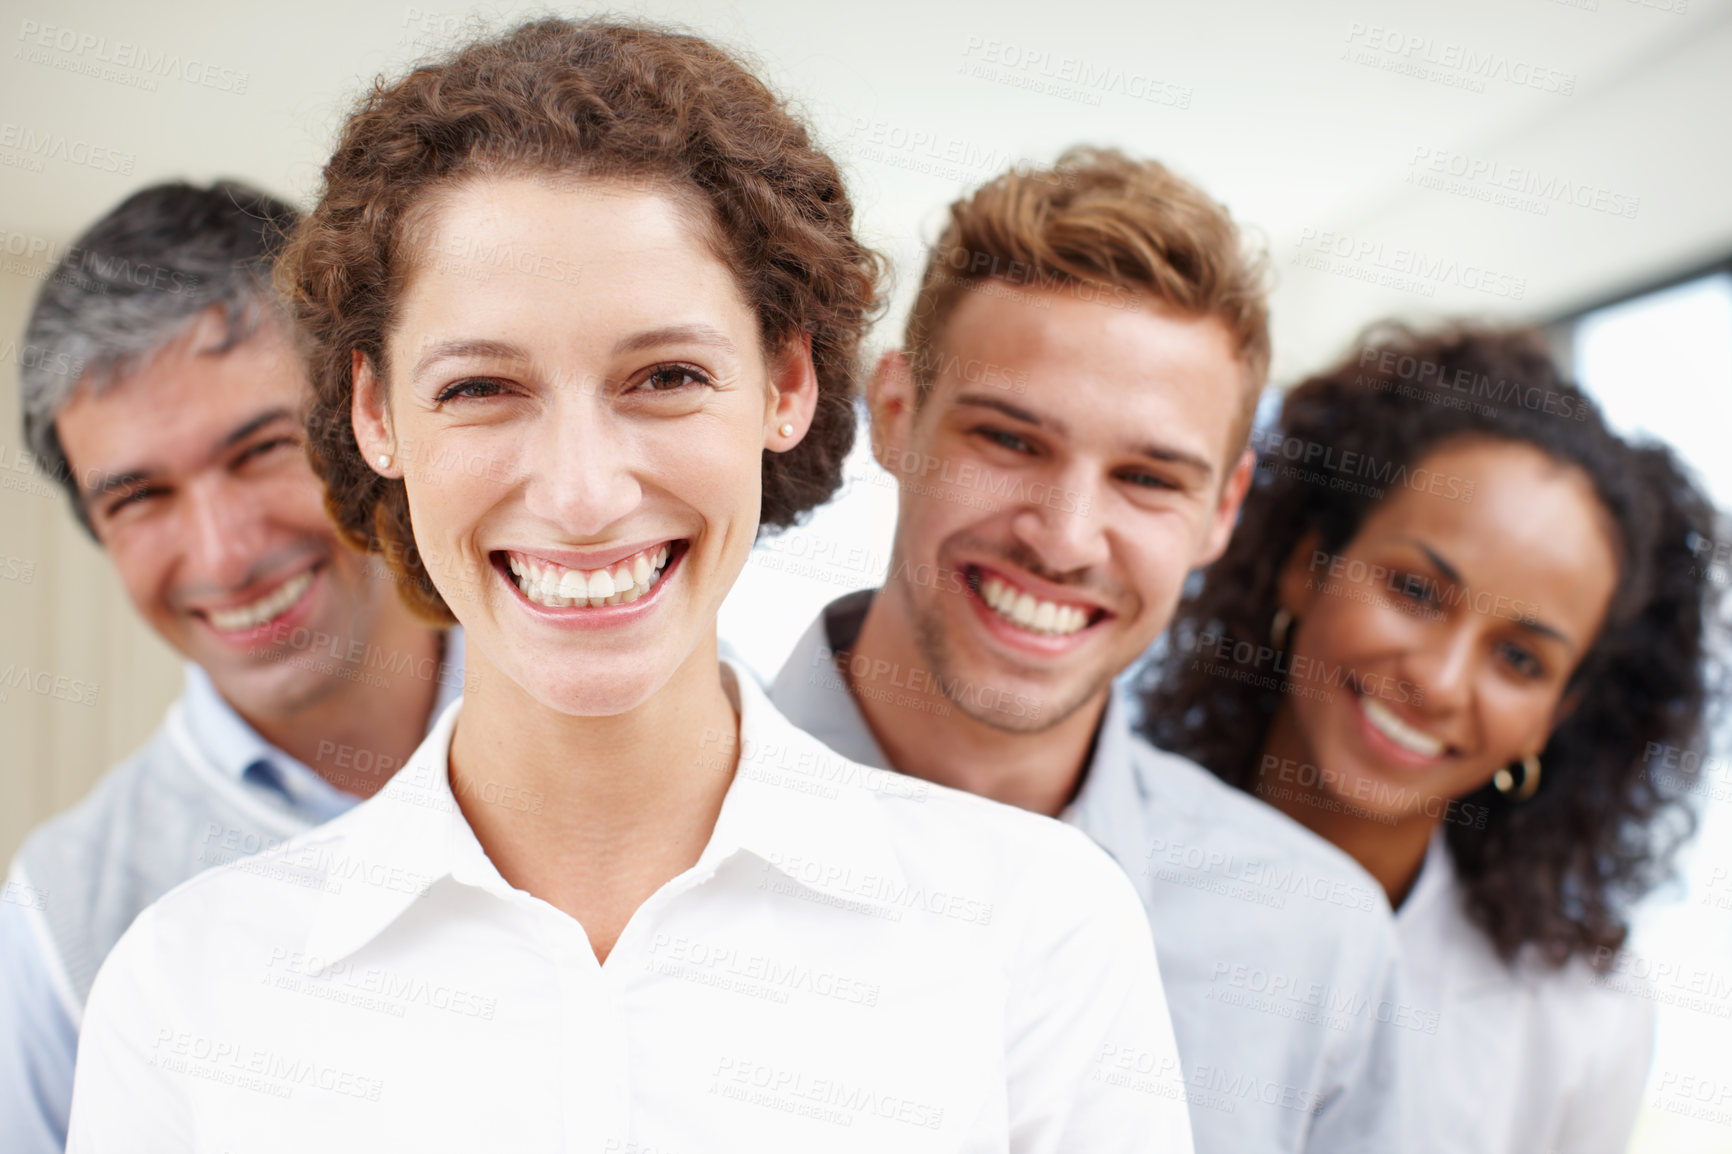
<point>1020,715</point>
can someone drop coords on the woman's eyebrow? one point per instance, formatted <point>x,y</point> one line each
<point>637,342</point>
<point>673,335</point>
<point>1450,573</point>
<point>469,347</point>
<point>1453,577</point>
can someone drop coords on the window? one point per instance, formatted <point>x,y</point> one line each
<point>1660,364</point>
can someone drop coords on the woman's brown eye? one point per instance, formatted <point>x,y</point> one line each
<point>666,380</point>
<point>475,389</point>
<point>1524,662</point>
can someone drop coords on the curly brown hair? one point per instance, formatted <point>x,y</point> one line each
<point>1123,231</point>
<point>595,99</point>
<point>1558,872</point>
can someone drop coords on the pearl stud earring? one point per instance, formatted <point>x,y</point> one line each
<point>787,429</point>
<point>384,460</point>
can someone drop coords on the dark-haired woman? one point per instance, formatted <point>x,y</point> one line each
<point>583,305</point>
<point>1479,607</point>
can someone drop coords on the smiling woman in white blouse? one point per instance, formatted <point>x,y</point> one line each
<point>1483,634</point>
<point>583,307</point>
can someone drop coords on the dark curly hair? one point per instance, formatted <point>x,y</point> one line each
<point>1558,872</point>
<point>595,99</point>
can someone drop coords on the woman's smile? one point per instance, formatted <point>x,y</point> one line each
<point>633,579</point>
<point>1396,739</point>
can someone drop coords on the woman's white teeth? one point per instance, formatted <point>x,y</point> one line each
<point>560,588</point>
<point>264,609</point>
<point>1384,720</point>
<point>1024,610</point>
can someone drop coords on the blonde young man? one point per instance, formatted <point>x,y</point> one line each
<point>1068,423</point>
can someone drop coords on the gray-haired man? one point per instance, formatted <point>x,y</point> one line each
<point>179,441</point>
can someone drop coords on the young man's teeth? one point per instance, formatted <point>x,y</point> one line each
<point>264,609</point>
<point>1385,722</point>
<point>1023,610</point>
<point>560,588</point>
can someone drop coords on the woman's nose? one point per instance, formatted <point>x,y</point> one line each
<point>1442,667</point>
<point>582,468</point>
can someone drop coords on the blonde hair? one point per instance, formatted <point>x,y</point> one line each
<point>1097,222</point>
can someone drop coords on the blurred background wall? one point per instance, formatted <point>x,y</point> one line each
<point>1524,160</point>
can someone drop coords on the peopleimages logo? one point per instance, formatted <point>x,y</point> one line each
<point>1428,58</point>
<point>1364,258</point>
<point>1515,185</point>
<point>109,269</point>
<point>1066,77</point>
<point>38,146</point>
<point>88,52</point>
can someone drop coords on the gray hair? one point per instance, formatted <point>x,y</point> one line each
<point>134,281</point>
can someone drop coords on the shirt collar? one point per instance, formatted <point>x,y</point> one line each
<point>1113,805</point>
<point>793,804</point>
<point>1436,880</point>
<point>1453,951</point>
<point>812,692</point>
<point>793,800</point>
<point>810,689</point>
<point>222,735</point>
<point>234,746</point>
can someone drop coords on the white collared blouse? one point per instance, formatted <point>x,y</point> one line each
<point>1520,1058</point>
<point>858,961</point>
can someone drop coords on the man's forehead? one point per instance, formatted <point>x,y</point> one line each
<point>186,401</point>
<point>1139,374</point>
<point>209,365</point>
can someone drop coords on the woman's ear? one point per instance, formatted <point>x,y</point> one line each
<point>370,417</point>
<point>794,395</point>
<point>1300,581</point>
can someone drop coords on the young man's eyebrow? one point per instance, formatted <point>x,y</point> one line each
<point>1014,412</point>
<point>1153,450</point>
<point>1167,454</point>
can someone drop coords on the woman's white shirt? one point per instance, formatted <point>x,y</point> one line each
<point>1521,1059</point>
<point>859,961</point>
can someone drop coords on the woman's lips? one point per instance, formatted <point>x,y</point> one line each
<point>555,586</point>
<point>1395,738</point>
<point>606,610</point>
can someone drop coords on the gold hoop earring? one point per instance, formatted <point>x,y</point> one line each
<point>1278,629</point>
<point>1505,781</point>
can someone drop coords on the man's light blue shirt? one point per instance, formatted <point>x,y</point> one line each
<point>39,1011</point>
